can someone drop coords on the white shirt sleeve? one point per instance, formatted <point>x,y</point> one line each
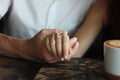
<point>4,5</point>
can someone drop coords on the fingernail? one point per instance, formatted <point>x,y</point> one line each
<point>75,38</point>
<point>66,57</point>
<point>62,59</point>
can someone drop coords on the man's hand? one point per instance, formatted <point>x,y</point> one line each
<point>37,49</point>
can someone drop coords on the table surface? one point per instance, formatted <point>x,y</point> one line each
<point>76,69</point>
<point>17,69</point>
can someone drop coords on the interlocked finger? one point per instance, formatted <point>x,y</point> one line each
<point>47,44</point>
<point>53,45</point>
<point>59,44</point>
<point>65,44</point>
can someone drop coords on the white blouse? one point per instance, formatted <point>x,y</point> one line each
<point>28,17</point>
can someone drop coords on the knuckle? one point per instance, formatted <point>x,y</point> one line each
<point>56,31</point>
<point>65,32</point>
<point>43,31</point>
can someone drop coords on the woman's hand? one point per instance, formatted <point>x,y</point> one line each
<point>60,46</point>
<point>73,47</point>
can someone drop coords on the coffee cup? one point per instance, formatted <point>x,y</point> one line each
<point>112,59</point>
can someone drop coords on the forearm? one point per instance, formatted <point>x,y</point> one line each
<point>13,47</point>
<point>85,38</point>
<point>91,26</point>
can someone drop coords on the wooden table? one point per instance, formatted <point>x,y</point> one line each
<point>17,69</point>
<point>76,69</point>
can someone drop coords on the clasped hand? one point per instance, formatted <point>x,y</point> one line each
<point>61,46</point>
<point>52,45</point>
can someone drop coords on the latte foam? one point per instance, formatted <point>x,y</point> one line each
<point>113,43</point>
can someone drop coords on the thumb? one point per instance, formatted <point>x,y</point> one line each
<point>72,42</point>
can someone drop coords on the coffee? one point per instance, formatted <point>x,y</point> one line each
<point>113,43</point>
<point>112,59</point>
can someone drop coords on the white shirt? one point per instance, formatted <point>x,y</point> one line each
<point>4,5</point>
<point>28,17</point>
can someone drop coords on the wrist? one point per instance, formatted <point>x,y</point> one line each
<point>18,48</point>
<point>32,50</point>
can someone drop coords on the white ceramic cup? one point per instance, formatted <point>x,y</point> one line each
<point>112,57</point>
